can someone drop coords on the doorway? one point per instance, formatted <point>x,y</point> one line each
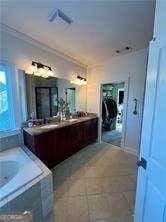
<point>112,113</point>
<point>46,102</point>
<point>70,99</point>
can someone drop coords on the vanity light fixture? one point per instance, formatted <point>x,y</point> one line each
<point>38,69</point>
<point>79,81</point>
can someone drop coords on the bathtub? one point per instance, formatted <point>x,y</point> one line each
<point>16,170</point>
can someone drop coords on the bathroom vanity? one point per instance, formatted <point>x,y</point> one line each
<point>55,142</point>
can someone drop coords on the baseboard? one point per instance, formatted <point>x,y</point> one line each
<point>126,149</point>
<point>130,150</point>
<point>123,148</point>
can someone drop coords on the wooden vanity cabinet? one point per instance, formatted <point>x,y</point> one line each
<point>63,144</point>
<point>58,144</point>
<point>94,129</point>
<point>74,138</point>
<point>43,144</point>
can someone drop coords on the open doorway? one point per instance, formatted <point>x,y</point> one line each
<point>70,99</point>
<point>112,113</point>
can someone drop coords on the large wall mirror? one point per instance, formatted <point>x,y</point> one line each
<point>43,95</point>
<point>46,101</point>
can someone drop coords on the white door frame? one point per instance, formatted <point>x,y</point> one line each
<point>126,99</point>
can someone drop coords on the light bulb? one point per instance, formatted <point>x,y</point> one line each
<point>79,82</point>
<point>31,70</point>
<point>50,73</point>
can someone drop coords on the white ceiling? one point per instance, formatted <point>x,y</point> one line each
<point>99,27</point>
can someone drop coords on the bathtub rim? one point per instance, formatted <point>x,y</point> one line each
<point>23,188</point>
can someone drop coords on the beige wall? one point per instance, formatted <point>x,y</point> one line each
<point>121,68</point>
<point>20,51</point>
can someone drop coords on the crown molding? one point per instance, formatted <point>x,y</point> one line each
<point>27,38</point>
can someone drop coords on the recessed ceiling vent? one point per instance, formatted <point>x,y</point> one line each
<point>57,13</point>
<point>123,50</point>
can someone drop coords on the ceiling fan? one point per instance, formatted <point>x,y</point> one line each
<point>57,13</point>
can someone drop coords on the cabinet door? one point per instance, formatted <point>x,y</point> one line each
<point>45,148</point>
<point>87,131</point>
<point>82,135</point>
<point>74,137</point>
<point>63,143</point>
<point>29,141</point>
<point>94,129</point>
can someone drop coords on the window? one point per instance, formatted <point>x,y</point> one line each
<point>6,106</point>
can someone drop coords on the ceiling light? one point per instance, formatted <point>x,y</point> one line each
<point>32,69</point>
<point>50,72</point>
<point>79,81</point>
<point>38,69</point>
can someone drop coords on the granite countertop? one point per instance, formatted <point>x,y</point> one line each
<point>37,130</point>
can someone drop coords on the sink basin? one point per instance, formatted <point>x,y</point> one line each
<point>49,126</point>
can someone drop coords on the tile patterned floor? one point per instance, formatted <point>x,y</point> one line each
<point>96,184</point>
<point>113,137</point>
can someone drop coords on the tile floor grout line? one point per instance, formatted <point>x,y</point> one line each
<point>88,207</point>
<point>73,165</point>
<point>127,202</point>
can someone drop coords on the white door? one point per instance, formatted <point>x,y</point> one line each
<point>151,186</point>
